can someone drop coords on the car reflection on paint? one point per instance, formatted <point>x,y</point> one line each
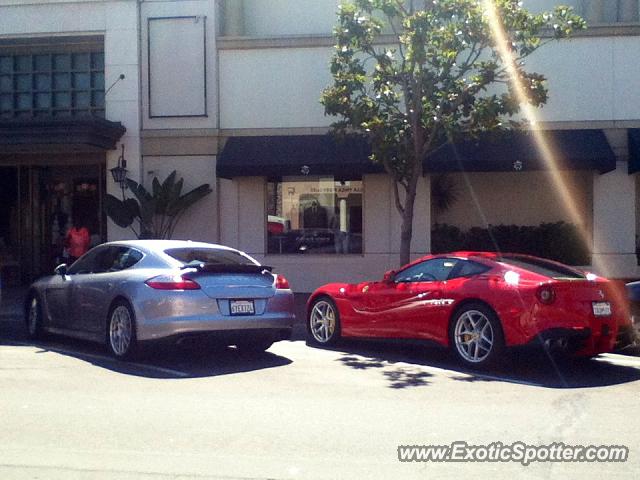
<point>126,293</point>
<point>476,304</point>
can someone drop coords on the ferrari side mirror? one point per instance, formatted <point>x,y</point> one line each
<point>388,276</point>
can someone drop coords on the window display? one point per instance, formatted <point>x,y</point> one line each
<point>314,215</point>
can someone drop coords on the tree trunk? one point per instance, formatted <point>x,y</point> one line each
<point>406,230</point>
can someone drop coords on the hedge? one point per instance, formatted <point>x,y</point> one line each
<point>557,241</point>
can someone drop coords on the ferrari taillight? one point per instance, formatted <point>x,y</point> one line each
<point>282,283</point>
<point>546,294</point>
<point>172,282</point>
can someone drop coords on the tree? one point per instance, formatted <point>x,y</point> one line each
<point>412,75</point>
<point>157,213</point>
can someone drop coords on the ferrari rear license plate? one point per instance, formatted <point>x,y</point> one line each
<point>242,307</point>
<point>601,309</point>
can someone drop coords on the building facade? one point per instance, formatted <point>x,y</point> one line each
<point>227,93</point>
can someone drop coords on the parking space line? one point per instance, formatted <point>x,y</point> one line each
<point>65,351</point>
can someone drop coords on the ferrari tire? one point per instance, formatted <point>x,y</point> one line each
<point>475,336</point>
<point>121,331</point>
<point>323,322</point>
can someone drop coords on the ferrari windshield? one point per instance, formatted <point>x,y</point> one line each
<point>541,267</point>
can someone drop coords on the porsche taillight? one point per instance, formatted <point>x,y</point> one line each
<point>546,294</point>
<point>172,282</point>
<point>282,283</point>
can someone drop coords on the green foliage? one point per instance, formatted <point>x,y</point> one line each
<point>557,241</point>
<point>413,75</point>
<point>444,192</point>
<point>157,212</point>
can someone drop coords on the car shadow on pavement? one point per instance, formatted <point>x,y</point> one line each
<point>401,364</point>
<point>189,360</point>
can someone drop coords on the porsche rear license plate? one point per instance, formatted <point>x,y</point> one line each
<point>242,307</point>
<point>601,309</point>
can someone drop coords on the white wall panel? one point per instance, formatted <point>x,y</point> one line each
<point>177,67</point>
<point>272,88</point>
<point>580,79</point>
<point>200,222</point>
<point>52,18</point>
<point>177,78</point>
<point>268,18</point>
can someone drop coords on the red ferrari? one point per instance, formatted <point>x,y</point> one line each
<point>475,303</point>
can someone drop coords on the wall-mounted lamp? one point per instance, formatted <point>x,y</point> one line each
<point>119,172</point>
<point>120,77</point>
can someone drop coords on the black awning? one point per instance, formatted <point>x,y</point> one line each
<point>517,150</point>
<point>279,156</point>
<point>49,135</point>
<point>634,149</point>
<point>276,156</point>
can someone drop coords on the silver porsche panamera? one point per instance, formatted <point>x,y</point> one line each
<point>128,292</point>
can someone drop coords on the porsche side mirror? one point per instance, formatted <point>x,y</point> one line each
<point>388,276</point>
<point>61,269</point>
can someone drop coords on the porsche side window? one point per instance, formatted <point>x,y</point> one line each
<point>105,260</point>
<point>129,258</point>
<point>437,269</point>
<point>125,258</point>
<point>86,263</point>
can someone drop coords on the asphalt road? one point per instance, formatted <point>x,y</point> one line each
<point>67,411</point>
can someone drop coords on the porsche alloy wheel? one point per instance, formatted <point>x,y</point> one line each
<point>476,335</point>
<point>324,321</point>
<point>34,317</point>
<point>121,335</point>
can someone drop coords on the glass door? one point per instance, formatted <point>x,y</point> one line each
<point>40,204</point>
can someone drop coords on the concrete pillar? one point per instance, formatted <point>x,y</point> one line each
<point>628,11</point>
<point>343,215</point>
<point>233,18</point>
<point>252,215</point>
<point>614,216</point>
<point>594,11</point>
<point>122,102</point>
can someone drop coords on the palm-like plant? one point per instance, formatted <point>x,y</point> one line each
<point>157,212</point>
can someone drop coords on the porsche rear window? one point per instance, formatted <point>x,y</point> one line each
<point>541,267</point>
<point>211,256</point>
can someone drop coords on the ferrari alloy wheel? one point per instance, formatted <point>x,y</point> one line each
<point>34,317</point>
<point>324,321</point>
<point>121,334</point>
<point>476,335</point>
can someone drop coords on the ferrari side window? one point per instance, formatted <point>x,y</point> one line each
<point>467,268</point>
<point>437,269</point>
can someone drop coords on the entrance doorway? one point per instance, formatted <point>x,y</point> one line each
<point>39,203</point>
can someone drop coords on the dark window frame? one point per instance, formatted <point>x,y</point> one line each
<point>31,77</point>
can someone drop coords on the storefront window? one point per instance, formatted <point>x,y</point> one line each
<point>314,215</point>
